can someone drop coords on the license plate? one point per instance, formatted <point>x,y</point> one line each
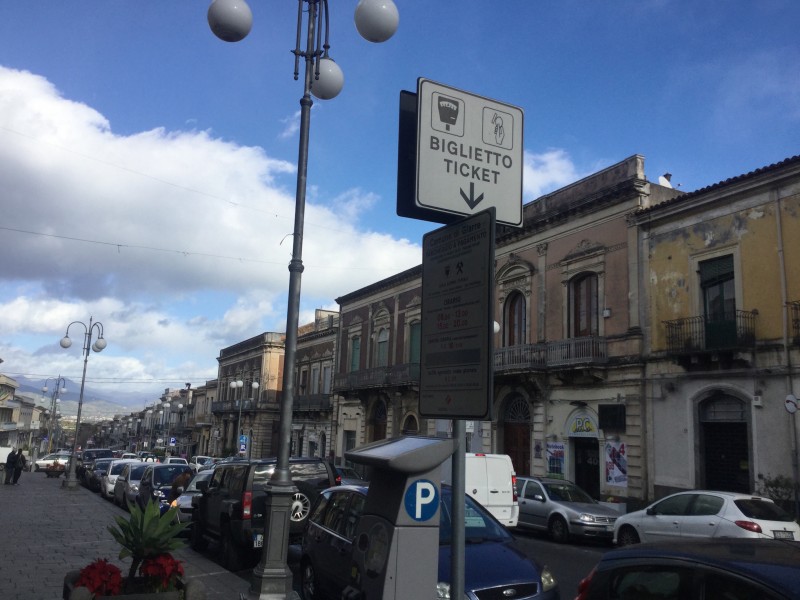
<point>258,540</point>
<point>783,535</point>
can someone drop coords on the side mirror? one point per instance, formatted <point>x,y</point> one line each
<point>539,498</point>
<point>202,486</point>
<point>651,511</point>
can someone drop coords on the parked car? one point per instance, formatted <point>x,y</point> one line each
<point>209,464</point>
<point>729,569</point>
<point>126,487</point>
<point>93,477</point>
<point>175,460</point>
<point>231,507</point>
<point>706,514</point>
<point>348,476</point>
<point>562,509</point>
<point>47,461</point>
<point>198,461</point>
<point>184,501</point>
<point>87,458</point>
<point>129,455</point>
<point>109,479</point>
<point>494,565</point>
<point>157,481</point>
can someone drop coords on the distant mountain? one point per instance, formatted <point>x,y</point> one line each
<point>96,404</point>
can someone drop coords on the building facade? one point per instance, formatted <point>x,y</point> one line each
<point>722,329</point>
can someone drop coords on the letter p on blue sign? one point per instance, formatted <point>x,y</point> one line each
<point>421,500</point>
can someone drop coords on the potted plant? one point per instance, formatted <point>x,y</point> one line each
<point>146,537</point>
<point>55,470</point>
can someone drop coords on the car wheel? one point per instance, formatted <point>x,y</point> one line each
<point>197,541</point>
<point>627,536</point>
<point>229,552</point>
<point>308,581</point>
<point>559,532</point>
<point>301,507</point>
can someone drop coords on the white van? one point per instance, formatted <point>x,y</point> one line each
<point>490,479</point>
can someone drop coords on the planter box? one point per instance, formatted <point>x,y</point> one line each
<point>194,590</point>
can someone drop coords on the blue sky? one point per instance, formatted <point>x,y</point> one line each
<point>148,169</point>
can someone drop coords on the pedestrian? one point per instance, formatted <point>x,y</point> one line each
<point>11,461</point>
<point>19,466</point>
<point>179,485</point>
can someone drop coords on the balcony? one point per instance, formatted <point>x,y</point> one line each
<point>312,403</point>
<point>232,407</point>
<point>572,352</point>
<point>698,343</point>
<point>700,334</point>
<point>379,377</point>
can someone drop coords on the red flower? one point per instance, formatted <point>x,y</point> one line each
<point>101,578</point>
<point>164,569</point>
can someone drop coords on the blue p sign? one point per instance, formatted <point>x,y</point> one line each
<point>421,500</point>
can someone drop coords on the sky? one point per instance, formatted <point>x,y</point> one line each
<point>148,169</point>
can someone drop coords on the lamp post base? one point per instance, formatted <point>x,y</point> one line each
<point>272,577</point>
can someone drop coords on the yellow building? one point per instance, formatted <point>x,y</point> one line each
<point>721,271</point>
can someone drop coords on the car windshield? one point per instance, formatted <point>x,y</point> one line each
<point>762,509</point>
<point>167,475</point>
<point>116,468</point>
<point>136,472</point>
<point>479,525</point>
<point>567,492</point>
<point>101,464</point>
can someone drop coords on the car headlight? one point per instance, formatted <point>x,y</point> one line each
<point>158,494</point>
<point>586,518</point>
<point>134,488</point>
<point>548,580</point>
<point>443,591</point>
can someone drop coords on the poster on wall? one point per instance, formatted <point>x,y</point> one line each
<point>616,464</point>
<point>555,459</point>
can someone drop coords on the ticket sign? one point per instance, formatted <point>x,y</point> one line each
<point>469,153</point>
<point>457,323</point>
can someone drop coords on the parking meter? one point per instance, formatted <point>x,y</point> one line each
<point>396,548</point>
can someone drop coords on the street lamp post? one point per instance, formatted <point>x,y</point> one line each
<point>71,483</point>
<point>60,388</point>
<point>231,20</point>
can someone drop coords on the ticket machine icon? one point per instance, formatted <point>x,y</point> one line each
<point>448,111</point>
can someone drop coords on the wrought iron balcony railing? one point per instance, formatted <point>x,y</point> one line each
<point>312,403</point>
<point>588,350</point>
<point>394,376</point>
<point>701,334</point>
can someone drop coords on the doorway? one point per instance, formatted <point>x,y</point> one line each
<point>586,451</point>
<point>517,434</point>
<point>724,444</point>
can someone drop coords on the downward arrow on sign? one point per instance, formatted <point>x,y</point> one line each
<point>472,201</point>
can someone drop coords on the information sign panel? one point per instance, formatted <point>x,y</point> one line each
<point>469,153</point>
<point>457,323</point>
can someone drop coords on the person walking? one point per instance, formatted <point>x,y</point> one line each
<point>11,461</point>
<point>19,465</point>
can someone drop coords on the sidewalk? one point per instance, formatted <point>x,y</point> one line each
<point>46,531</point>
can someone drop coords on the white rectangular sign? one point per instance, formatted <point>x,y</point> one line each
<point>469,153</point>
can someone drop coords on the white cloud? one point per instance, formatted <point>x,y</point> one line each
<point>545,172</point>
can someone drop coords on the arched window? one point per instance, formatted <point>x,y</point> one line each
<point>515,320</point>
<point>410,425</point>
<point>583,305</point>
<point>382,349</point>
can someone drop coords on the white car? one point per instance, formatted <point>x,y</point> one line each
<point>108,480</point>
<point>47,461</point>
<point>706,514</point>
<point>175,460</point>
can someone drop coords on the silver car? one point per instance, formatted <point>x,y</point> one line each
<point>109,478</point>
<point>562,509</point>
<point>126,488</point>
<point>184,501</point>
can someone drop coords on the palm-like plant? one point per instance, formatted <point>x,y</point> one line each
<point>146,534</point>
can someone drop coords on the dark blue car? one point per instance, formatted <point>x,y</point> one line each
<point>494,566</point>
